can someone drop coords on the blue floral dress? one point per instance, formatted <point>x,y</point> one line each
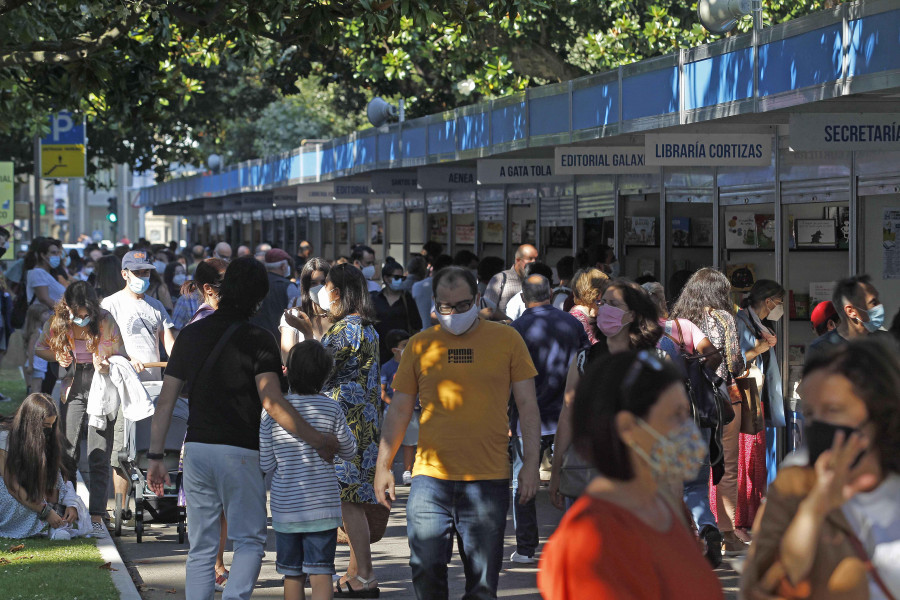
<point>355,383</point>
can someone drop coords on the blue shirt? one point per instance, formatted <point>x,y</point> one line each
<point>553,338</point>
<point>388,370</point>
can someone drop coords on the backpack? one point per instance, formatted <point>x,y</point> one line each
<point>20,308</point>
<point>710,403</point>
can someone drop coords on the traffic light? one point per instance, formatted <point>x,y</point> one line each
<point>112,212</point>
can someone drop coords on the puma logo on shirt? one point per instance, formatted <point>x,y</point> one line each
<point>460,356</point>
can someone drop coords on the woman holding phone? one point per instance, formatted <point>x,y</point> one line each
<point>832,529</point>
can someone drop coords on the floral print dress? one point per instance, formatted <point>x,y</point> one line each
<point>355,383</point>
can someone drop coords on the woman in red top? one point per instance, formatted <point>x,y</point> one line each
<point>621,539</point>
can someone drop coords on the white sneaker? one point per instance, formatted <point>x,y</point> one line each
<point>61,533</point>
<point>522,560</point>
<point>407,477</point>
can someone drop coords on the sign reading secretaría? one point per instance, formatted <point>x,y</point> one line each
<point>63,150</point>
<point>708,149</point>
<point>845,131</point>
<point>518,170</point>
<point>600,160</point>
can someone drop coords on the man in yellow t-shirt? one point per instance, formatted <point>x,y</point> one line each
<point>462,371</point>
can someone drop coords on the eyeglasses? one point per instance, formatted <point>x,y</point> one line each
<point>400,277</point>
<point>459,307</point>
<point>644,360</point>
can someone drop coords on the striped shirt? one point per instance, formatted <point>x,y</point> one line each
<point>304,487</point>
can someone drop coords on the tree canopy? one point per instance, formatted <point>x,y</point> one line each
<point>167,81</point>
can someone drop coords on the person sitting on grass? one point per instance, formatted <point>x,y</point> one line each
<point>305,501</point>
<point>30,478</point>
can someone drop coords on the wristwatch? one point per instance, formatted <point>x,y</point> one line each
<point>45,512</point>
<point>154,456</point>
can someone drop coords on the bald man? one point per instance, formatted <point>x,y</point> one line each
<point>223,251</point>
<point>261,251</point>
<point>198,253</point>
<point>243,251</point>
<point>506,284</point>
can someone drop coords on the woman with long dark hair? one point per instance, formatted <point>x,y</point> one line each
<point>627,322</point>
<point>312,279</point>
<point>623,538</point>
<point>81,337</point>
<point>199,297</point>
<point>43,268</point>
<point>108,275</point>
<point>356,384</point>
<point>394,306</point>
<point>174,277</point>
<point>706,302</point>
<point>30,479</point>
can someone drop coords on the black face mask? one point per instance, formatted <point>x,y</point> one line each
<point>820,437</point>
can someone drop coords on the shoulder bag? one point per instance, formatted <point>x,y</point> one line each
<point>749,384</point>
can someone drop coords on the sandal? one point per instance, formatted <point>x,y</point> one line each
<point>365,592</point>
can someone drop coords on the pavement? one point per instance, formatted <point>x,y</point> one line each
<point>157,564</point>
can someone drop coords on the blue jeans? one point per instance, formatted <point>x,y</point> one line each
<point>696,490</point>
<point>476,512</point>
<point>308,553</point>
<point>525,515</point>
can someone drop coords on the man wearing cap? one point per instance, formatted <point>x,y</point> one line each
<point>144,324</point>
<point>824,318</point>
<point>281,291</point>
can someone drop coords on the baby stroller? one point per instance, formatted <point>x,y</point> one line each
<point>134,463</point>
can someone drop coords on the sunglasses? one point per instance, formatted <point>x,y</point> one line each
<point>645,360</point>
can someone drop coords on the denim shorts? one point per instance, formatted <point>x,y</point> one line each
<point>309,553</point>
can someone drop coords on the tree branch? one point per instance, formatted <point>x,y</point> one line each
<point>10,5</point>
<point>67,51</point>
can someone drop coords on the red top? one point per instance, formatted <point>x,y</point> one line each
<point>602,551</point>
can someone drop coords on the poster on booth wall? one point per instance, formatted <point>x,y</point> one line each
<point>465,234</point>
<point>890,239</point>
<point>740,231</point>
<point>493,232</point>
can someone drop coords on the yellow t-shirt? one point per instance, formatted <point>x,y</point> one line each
<point>463,383</point>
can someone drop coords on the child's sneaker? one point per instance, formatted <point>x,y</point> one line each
<point>407,478</point>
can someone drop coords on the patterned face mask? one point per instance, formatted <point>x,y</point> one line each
<point>677,454</point>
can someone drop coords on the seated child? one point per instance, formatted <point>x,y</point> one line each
<point>396,339</point>
<point>305,501</point>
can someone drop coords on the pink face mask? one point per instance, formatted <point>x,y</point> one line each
<point>610,319</point>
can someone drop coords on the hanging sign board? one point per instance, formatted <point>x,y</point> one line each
<point>845,131</point>
<point>395,182</point>
<point>604,160</point>
<point>63,151</point>
<point>320,192</point>
<point>61,202</point>
<point>7,210</point>
<point>352,189</point>
<point>494,171</point>
<point>447,178</point>
<point>708,150</point>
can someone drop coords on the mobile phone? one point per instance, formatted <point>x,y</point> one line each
<point>820,437</point>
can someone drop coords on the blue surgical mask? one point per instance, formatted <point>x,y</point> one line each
<point>81,321</point>
<point>138,285</point>
<point>396,284</point>
<point>54,261</point>
<point>876,318</point>
<point>160,266</point>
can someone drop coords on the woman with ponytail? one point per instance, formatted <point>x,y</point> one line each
<point>199,296</point>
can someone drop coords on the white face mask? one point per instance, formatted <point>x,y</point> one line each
<point>458,324</point>
<point>314,293</point>
<point>368,272</point>
<point>776,313</point>
<point>324,296</point>
<point>178,279</point>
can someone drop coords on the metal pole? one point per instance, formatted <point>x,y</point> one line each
<point>35,220</point>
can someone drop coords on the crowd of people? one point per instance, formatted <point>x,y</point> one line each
<point>658,411</point>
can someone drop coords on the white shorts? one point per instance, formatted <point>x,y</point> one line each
<point>412,432</point>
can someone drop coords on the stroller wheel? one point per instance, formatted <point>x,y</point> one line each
<point>118,516</point>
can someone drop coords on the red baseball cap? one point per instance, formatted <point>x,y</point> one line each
<point>276,255</point>
<point>821,313</point>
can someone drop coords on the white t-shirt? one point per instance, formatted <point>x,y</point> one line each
<point>140,321</point>
<point>40,278</point>
<point>515,307</point>
<point>875,517</point>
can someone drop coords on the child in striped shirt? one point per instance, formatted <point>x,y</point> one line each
<point>305,501</point>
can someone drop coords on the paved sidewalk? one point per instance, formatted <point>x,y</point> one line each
<point>158,562</point>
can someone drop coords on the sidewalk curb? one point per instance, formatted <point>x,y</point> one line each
<point>110,553</point>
